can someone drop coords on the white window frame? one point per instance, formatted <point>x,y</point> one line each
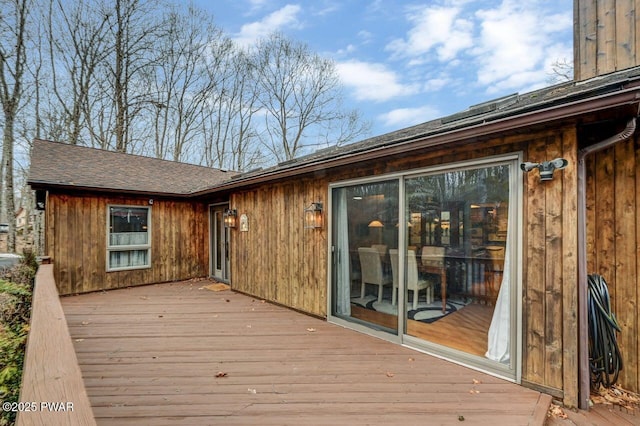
<point>130,247</point>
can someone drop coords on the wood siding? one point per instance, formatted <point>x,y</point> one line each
<point>550,269</point>
<point>282,262</point>
<point>613,242</point>
<point>76,240</point>
<point>606,36</point>
<point>277,258</point>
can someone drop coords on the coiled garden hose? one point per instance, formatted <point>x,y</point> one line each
<point>605,359</point>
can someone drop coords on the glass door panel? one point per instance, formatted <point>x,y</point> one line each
<point>219,244</point>
<point>365,229</point>
<point>457,291</point>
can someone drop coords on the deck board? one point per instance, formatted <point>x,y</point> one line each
<point>150,355</point>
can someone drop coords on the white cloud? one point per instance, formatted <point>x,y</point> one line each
<point>365,36</point>
<point>511,44</point>
<point>403,117</point>
<point>435,84</point>
<point>286,17</point>
<point>515,44</point>
<point>326,8</point>
<point>257,3</point>
<point>371,81</point>
<point>438,28</point>
<point>350,48</point>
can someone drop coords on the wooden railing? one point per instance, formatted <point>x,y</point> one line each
<point>53,391</point>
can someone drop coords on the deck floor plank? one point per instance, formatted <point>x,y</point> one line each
<point>150,355</point>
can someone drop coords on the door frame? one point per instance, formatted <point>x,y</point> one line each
<point>219,239</point>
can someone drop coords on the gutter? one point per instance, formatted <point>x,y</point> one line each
<point>51,186</point>
<point>625,96</point>
<point>584,384</point>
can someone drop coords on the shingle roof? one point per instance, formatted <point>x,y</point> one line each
<point>74,166</point>
<point>558,96</point>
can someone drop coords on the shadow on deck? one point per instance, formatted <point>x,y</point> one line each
<point>181,354</point>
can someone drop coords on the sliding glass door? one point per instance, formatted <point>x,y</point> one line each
<point>442,278</point>
<point>364,230</point>
<point>456,257</point>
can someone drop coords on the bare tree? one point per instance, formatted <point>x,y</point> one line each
<point>135,26</point>
<point>100,113</point>
<point>300,96</point>
<point>230,141</point>
<point>13,55</point>
<point>245,151</point>
<point>561,71</point>
<point>347,127</point>
<point>76,33</point>
<point>180,84</point>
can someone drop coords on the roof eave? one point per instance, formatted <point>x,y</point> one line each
<point>44,185</point>
<point>484,128</point>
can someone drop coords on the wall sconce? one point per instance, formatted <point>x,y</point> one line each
<point>375,223</point>
<point>313,216</point>
<point>230,217</point>
<point>546,168</point>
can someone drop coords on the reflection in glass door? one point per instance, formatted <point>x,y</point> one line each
<point>365,229</point>
<point>456,256</point>
<point>219,243</point>
<point>450,290</point>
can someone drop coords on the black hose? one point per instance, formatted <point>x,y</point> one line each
<point>604,355</point>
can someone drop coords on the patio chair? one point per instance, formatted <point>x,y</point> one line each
<point>414,282</point>
<point>371,270</point>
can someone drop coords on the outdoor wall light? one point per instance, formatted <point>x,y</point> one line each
<point>230,217</point>
<point>546,168</point>
<point>313,216</point>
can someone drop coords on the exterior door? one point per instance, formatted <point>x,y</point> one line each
<point>219,243</point>
<point>429,258</point>
<point>364,231</point>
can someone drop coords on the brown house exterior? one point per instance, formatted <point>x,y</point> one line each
<point>582,221</point>
<point>81,183</point>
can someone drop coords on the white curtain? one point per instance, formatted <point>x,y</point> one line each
<point>343,260</point>
<point>128,258</point>
<point>128,238</point>
<point>500,328</point>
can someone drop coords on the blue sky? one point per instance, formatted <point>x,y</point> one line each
<point>403,62</point>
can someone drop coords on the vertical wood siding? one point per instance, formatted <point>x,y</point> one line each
<point>550,268</point>
<point>613,248</point>
<point>606,36</point>
<point>278,259</point>
<point>76,240</point>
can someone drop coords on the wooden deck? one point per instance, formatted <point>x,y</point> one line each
<point>181,354</point>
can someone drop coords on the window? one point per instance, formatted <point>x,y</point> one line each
<point>129,242</point>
